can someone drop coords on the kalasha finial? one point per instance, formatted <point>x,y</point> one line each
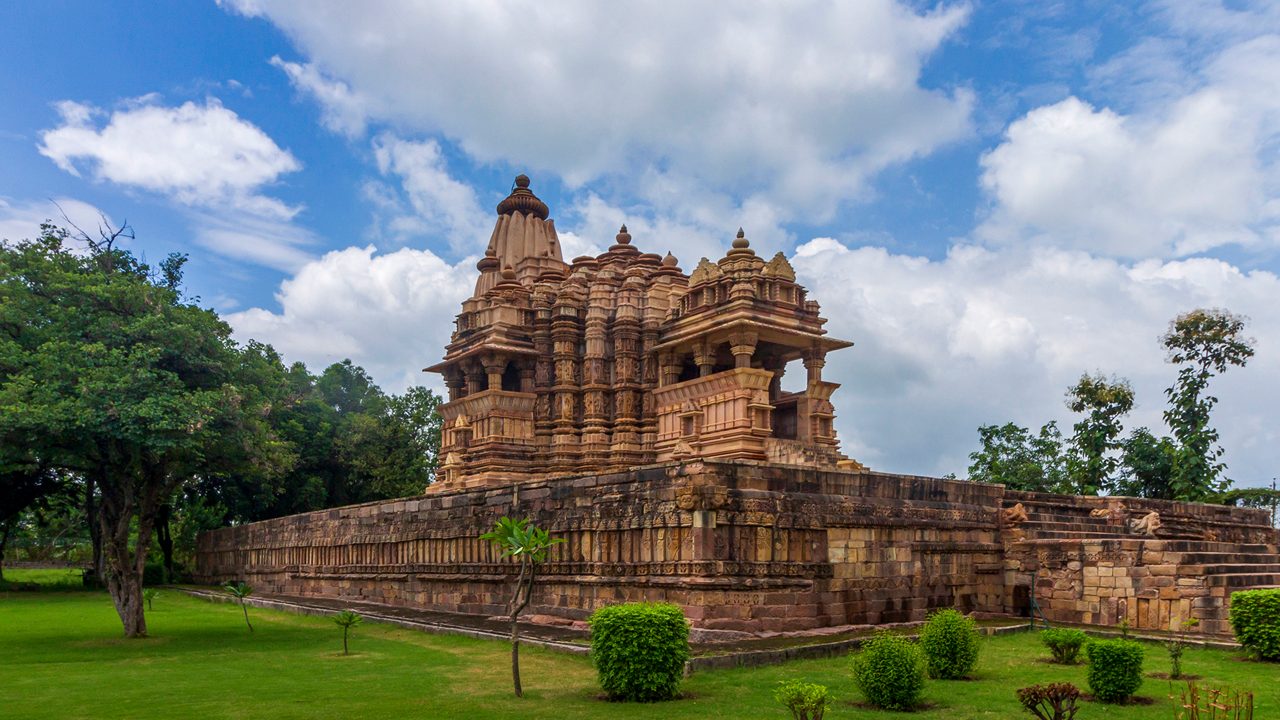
<point>670,260</point>
<point>522,200</point>
<point>741,241</point>
<point>508,274</point>
<point>623,237</point>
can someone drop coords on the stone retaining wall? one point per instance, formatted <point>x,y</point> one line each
<point>741,546</point>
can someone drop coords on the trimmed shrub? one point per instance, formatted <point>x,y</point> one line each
<point>950,644</point>
<point>1115,669</point>
<point>639,650</point>
<point>1055,701</point>
<point>1255,618</point>
<point>806,701</point>
<point>890,672</point>
<point>1064,643</point>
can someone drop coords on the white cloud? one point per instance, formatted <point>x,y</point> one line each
<point>262,241</point>
<point>21,220</point>
<point>1195,173</point>
<point>342,110</point>
<point>433,202</point>
<point>200,155</point>
<point>986,337</point>
<point>799,103</point>
<point>390,313</point>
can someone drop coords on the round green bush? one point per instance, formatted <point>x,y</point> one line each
<point>639,650</point>
<point>950,644</point>
<point>890,672</point>
<point>1255,618</point>
<point>1064,643</point>
<point>1115,669</point>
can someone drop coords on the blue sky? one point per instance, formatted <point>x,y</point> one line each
<point>989,198</point>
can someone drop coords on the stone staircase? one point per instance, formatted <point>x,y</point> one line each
<point>1090,565</point>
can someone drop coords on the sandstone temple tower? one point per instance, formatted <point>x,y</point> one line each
<point>620,360</point>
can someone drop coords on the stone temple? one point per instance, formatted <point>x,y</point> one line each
<point>623,360</point>
<point>638,412</point>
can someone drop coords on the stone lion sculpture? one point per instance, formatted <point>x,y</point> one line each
<point>1146,525</point>
<point>1015,515</point>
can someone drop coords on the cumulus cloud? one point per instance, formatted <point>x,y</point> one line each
<point>799,103</point>
<point>428,201</point>
<point>209,160</point>
<point>201,155</point>
<point>1177,178</point>
<point>391,313</point>
<point>983,337</point>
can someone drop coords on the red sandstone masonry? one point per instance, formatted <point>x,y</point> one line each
<point>739,545</point>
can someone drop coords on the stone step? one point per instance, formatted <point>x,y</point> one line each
<point>1185,570</point>
<point>1215,546</point>
<point>1244,581</point>
<point>1222,558</point>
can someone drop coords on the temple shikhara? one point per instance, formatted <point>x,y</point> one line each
<point>623,359</point>
<point>637,411</point>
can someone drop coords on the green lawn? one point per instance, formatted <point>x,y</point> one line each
<point>61,656</point>
<point>49,579</point>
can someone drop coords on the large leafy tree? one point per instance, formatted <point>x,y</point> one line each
<point>110,372</point>
<point>1093,460</point>
<point>1010,455</point>
<point>1146,466</point>
<point>1204,343</point>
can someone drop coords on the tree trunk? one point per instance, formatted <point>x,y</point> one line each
<point>95,531</point>
<point>124,566</point>
<point>515,655</point>
<point>164,538</point>
<point>5,528</point>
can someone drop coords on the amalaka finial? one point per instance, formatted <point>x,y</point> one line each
<point>522,200</point>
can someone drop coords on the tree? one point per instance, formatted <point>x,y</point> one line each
<point>241,592</point>
<point>120,379</point>
<point>1011,456</point>
<point>1092,461</point>
<point>346,620</point>
<point>1146,466</point>
<point>1205,342</point>
<point>528,545</point>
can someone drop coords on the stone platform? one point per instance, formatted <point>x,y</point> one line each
<point>750,548</point>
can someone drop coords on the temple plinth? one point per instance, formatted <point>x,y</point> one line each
<point>622,359</point>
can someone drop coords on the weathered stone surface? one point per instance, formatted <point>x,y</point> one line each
<point>758,548</point>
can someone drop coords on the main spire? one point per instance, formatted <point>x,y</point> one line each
<point>523,239</point>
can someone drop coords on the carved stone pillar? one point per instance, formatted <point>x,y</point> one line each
<point>595,384</point>
<point>475,378</point>
<point>456,382</point>
<point>564,338</point>
<point>814,360</point>
<point>494,366</point>
<point>704,356</point>
<point>743,346</point>
<point>668,369</point>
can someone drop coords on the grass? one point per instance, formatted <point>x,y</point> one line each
<point>63,657</point>
<point>47,579</point>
